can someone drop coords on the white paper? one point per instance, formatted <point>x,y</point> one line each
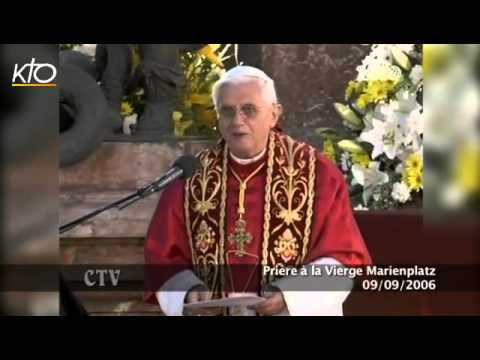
<point>227,302</point>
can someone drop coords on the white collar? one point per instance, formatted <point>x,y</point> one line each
<point>248,161</point>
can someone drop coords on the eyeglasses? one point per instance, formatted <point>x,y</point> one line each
<point>249,111</point>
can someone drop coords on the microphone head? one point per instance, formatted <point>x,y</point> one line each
<point>189,164</point>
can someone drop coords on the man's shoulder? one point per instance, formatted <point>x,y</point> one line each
<point>214,150</point>
<point>174,192</point>
<point>326,169</point>
<point>323,164</point>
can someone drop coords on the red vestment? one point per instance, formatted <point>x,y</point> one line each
<point>334,232</point>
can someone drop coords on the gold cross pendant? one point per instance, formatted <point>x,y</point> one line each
<point>240,237</point>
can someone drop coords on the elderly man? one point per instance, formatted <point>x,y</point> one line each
<point>259,200</point>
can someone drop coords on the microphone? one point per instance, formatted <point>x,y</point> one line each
<point>184,167</point>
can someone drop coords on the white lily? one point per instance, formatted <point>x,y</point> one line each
<point>416,75</point>
<point>386,137</point>
<point>369,178</point>
<point>406,101</point>
<point>412,127</point>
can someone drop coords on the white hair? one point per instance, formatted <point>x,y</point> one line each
<point>243,74</point>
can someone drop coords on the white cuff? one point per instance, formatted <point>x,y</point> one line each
<point>314,303</point>
<point>171,296</point>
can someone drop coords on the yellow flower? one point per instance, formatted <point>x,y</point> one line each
<point>414,163</point>
<point>352,88</point>
<point>177,116</point>
<point>329,150</point>
<point>415,180</point>
<point>209,52</point>
<point>208,117</point>
<point>201,99</point>
<point>363,101</point>
<point>361,159</point>
<point>379,90</point>
<point>180,126</point>
<point>126,109</point>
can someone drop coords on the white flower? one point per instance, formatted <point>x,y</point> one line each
<point>386,137</point>
<point>407,113</point>
<point>416,75</point>
<point>412,127</point>
<point>406,101</point>
<point>379,71</point>
<point>400,168</point>
<point>369,178</point>
<point>128,122</point>
<point>401,192</point>
<point>378,65</point>
<point>368,118</point>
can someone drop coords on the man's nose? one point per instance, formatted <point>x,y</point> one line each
<point>238,117</point>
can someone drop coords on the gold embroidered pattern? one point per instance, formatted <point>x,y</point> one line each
<point>290,186</point>
<point>202,195</point>
<point>223,205</point>
<point>289,201</point>
<point>288,208</point>
<point>205,237</point>
<point>206,184</point>
<point>286,246</point>
<point>311,199</point>
<point>187,221</point>
<point>268,197</point>
<point>207,270</point>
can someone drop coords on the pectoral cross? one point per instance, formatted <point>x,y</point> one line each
<point>240,237</point>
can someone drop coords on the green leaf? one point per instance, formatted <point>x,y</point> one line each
<point>350,119</point>
<point>325,131</point>
<point>350,146</point>
<point>400,58</point>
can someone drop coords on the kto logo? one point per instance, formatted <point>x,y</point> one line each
<point>42,74</point>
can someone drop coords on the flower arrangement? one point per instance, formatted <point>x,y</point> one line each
<point>194,113</point>
<point>379,148</point>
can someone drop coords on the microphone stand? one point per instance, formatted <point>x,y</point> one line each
<point>119,204</point>
<point>70,305</point>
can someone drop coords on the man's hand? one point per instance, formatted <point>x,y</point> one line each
<point>274,305</point>
<point>197,294</point>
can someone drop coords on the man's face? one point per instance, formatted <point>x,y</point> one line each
<point>245,118</point>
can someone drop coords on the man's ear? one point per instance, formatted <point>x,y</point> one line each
<point>277,112</point>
